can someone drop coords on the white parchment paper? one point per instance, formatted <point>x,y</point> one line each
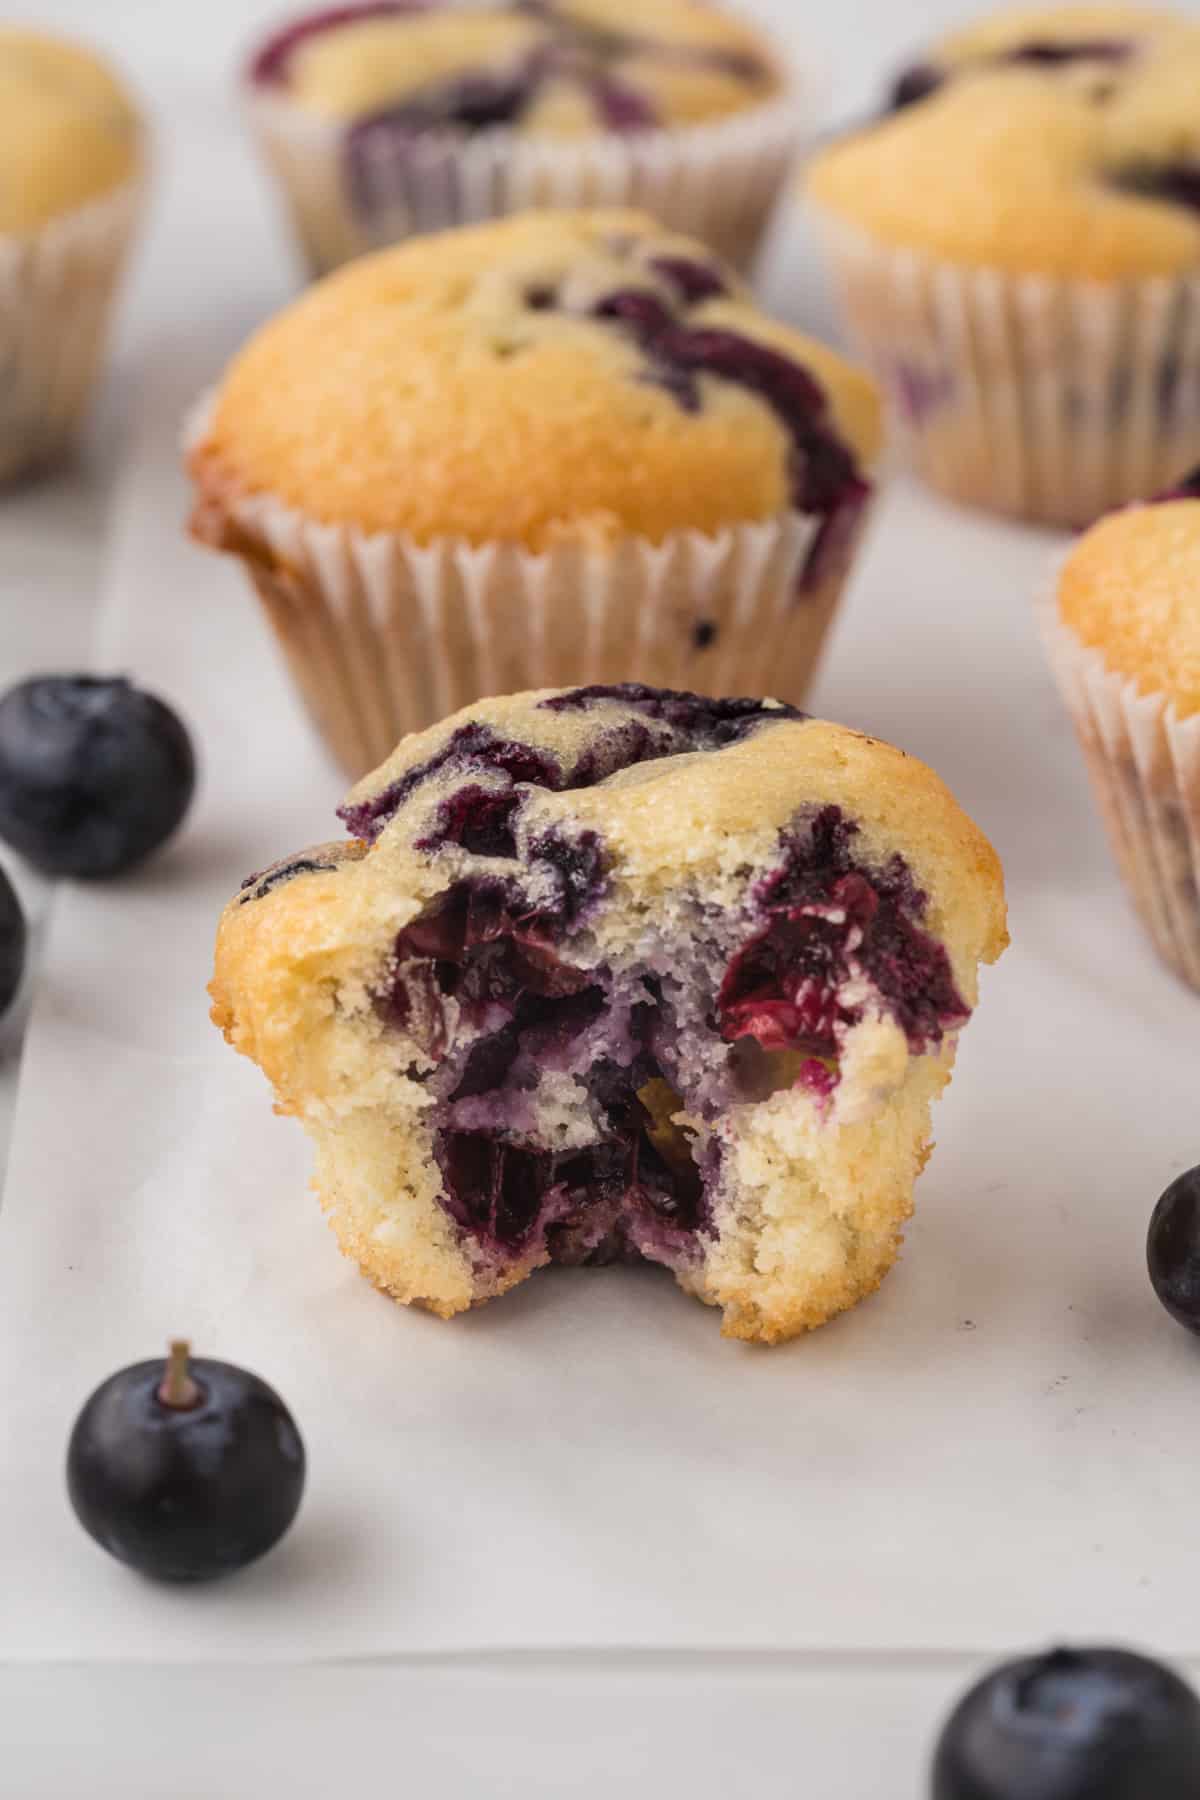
<point>995,1450</point>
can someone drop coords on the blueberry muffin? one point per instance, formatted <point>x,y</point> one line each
<point>381,120</point>
<point>612,972</point>
<point>1124,640</point>
<point>554,450</point>
<point>1017,244</point>
<point>70,166</point>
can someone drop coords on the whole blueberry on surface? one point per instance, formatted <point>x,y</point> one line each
<point>1073,1725</point>
<point>185,1470</point>
<point>1173,1250</point>
<point>94,774</point>
<point>12,943</point>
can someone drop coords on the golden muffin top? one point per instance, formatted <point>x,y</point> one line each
<point>1131,590</point>
<point>1063,141</point>
<point>68,130</point>
<point>668,787</point>
<point>550,378</point>
<point>557,68</point>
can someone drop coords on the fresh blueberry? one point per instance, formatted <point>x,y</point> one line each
<point>12,943</point>
<point>1073,1725</point>
<point>94,774</point>
<point>185,1470</point>
<point>1173,1250</point>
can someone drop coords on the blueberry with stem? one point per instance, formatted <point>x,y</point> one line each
<point>186,1469</point>
<point>1095,1724</point>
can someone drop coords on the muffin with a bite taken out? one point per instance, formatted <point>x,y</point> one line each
<point>615,973</point>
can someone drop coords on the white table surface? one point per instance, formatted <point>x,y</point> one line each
<point>841,1727</point>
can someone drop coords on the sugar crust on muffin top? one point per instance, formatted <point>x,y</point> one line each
<point>545,379</point>
<point>552,68</point>
<point>1131,590</point>
<point>1063,141</point>
<point>68,130</point>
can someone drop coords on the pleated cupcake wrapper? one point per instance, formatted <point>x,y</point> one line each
<point>56,293</point>
<point>715,182</point>
<point>384,636</point>
<point>1050,400</point>
<point>1144,764</point>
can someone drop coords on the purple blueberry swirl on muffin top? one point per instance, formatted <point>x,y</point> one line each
<point>565,47</point>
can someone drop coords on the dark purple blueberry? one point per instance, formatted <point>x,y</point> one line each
<point>94,774</point>
<point>1186,489</point>
<point>1073,1725</point>
<point>824,469</point>
<point>694,282</point>
<point>915,84</point>
<point>643,312</point>
<point>469,103</point>
<point>825,910</point>
<point>1178,183</point>
<point>270,65</point>
<point>185,1470</point>
<point>705,722</point>
<point>477,819</point>
<point>619,107</point>
<point>471,747</point>
<point>576,866</point>
<point>12,943</point>
<point>1173,1250</point>
<point>923,79</point>
<point>616,1200</point>
<point>1059,53</point>
<point>825,477</point>
<point>257,887</point>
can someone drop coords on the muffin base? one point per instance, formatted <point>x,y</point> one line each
<point>1144,765</point>
<point>384,636</point>
<point>715,182</point>
<point>56,294</point>
<point>1046,400</point>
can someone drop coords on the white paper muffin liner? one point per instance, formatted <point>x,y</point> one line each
<point>56,293</point>
<point>717,182</point>
<point>384,636</point>
<point>1144,764</point>
<point>1049,400</point>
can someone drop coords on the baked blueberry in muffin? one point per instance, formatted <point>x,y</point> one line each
<point>616,972</point>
